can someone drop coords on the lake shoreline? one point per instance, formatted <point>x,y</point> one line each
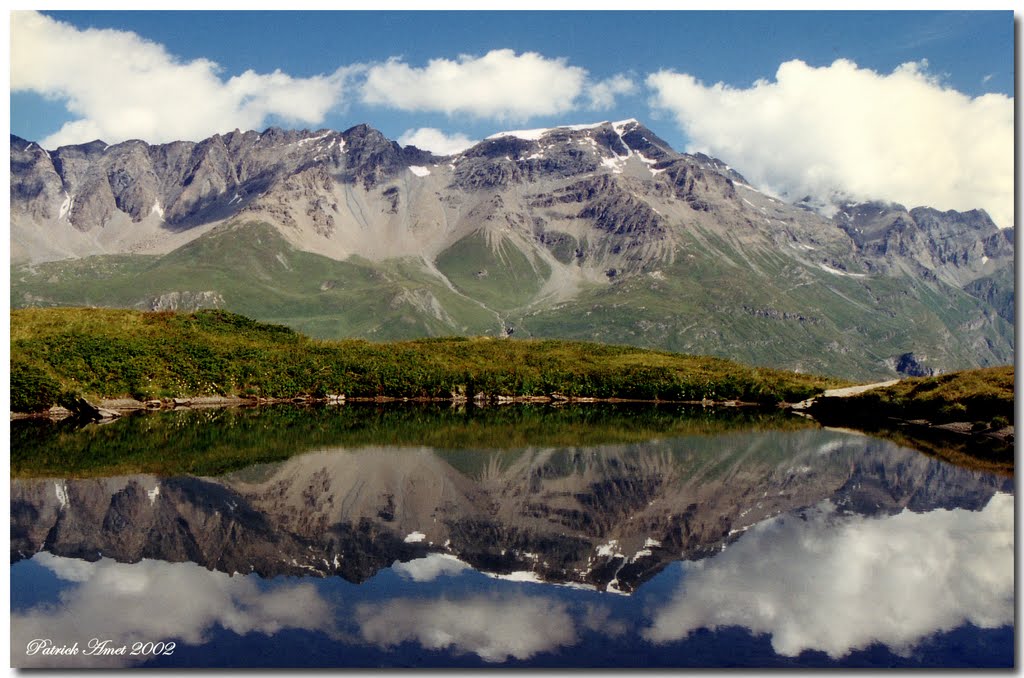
<point>966,439</point>
<point>98,365</point>
<point>115,408</point>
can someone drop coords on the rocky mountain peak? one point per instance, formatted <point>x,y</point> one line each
<point>642,140</point>
<point>373,158</point>
<point>19,145</point>
<point>976,220</point>
<point>275,135</point>
<point>621,137</point>
<point>561,152</point>
<point>365,132</point>
<point>33,179</point>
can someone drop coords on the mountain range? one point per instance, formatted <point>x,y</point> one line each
<point>599,232</point>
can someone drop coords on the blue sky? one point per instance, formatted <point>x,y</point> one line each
<point>338,69</point>
<point>734,47</point>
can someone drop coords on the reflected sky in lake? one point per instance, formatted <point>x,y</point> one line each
<point>787,548</point>
<point>813,581</point>
<point>153,601</point>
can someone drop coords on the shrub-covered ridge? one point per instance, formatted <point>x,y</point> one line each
<point>981,395</point>
<point>108,353</point>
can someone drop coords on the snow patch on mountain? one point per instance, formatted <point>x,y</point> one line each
<point>65,206</point>
<point>835,271</point>
<point>620,126</point>
<point>614,164</point>
<point>303,142</point>
<point>539,133</point>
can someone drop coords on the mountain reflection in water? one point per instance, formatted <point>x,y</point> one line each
<point>814,545</point>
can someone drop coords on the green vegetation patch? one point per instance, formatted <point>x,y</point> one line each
<point>106,353</point>
<point>982,395</point>
<point>498,274</point>
<point>249,268</point>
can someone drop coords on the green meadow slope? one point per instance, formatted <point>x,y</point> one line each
<point>754,307</point>
<point>110,353</point>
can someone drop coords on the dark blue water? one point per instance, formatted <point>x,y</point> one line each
<point>807,548</point>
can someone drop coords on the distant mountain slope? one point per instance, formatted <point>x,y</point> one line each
<point>592,231</point>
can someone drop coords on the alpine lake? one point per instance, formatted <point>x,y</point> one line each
<point>597,536</point>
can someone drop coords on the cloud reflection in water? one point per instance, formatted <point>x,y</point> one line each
<point>157,601</point>
<point>837,584</point>
<point>494,627</point>
<point>823,581</point>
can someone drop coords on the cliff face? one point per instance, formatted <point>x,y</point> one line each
<point>955,247</point>
<point>609,517</point>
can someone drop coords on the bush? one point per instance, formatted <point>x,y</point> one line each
<point>32,390</point>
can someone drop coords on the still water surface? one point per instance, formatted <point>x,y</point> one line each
<point>579,537</point>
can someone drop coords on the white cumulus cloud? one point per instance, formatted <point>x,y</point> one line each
<point>837,585</point>
<point>500,84</point>
<point>602,94</point>
<point>121,86</point>
<point>434,140</point>
<point>849,131</point>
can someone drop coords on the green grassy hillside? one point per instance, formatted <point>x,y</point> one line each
<point>106,353</point>
<point>806,319</point>
<point>502,277</point>
<point>253,271</point>
<point>755,306</point>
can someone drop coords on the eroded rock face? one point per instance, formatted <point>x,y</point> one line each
<point>692,183</point>
<point>35,184</point>
<point>608,517</point>
<point>957,247</point>
<point>371,158</point>
<point>186,301</point>
<point>186,183</point>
